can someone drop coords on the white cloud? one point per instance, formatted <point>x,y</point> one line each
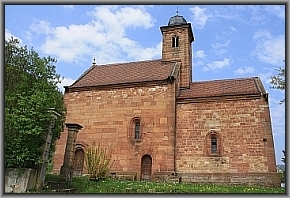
<point>221,51</point>
<point>221,45</point>
<point>264,34</point>
<point>145,53</point>
<point>8,35</point>
<point>200,54</point>
<point>116,17</point>
<point>199,17</point>
<point>269,49</point>
<point>198,63</point>
<point>104,37</point>
<point>69,6</point>
<point>257,15</point>
<point>41,27</point>
<point>217,65</point>
<point>277,112</point>
<point>65,82</point>
<point>265,76</point>
<point>220,48</point>
<point>277,10</point>
<point>245,70</point>
<point>233,28</point>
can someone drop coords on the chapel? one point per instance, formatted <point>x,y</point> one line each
<point>163,126</point>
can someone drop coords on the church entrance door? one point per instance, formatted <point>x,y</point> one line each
<point>146,167</point>
<point>79,162</point>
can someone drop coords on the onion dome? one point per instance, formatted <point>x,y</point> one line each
<point>176,20</point>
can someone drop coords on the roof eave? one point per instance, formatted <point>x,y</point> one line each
<point>118,85</point>
<point>188,99</point>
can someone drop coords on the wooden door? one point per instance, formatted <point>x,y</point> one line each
<point>79,162</point>
<point>146,167</point>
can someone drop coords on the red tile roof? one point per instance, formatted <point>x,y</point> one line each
<point>119,73</point>
<point>155,70</point>
<point>226,87</point>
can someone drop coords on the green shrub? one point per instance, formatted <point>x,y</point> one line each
<point>98,161</point>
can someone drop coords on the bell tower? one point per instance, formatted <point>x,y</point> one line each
<point>176,46</point>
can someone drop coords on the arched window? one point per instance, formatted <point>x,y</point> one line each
<point>137,130</point>
<point>213,144</point>
<point>175,41</point>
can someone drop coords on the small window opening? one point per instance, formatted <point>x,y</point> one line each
<point>175,41</point>
<point>137,130</point>
<point>213,145</point>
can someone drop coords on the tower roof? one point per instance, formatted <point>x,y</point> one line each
<point>177,20</point>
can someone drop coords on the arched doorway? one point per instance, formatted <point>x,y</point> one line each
<point>146,167</point>
<point>79,162</point>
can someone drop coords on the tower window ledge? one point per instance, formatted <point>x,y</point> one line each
<point>175,48</point>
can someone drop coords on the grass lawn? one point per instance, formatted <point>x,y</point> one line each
<point>84,185</point>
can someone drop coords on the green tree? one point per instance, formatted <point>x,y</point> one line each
<point>30,89</point>
<point>282,174</point>
<point>278,81</point>
<point>283,158</point>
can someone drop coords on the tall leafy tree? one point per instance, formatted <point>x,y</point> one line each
<point>278,81</point>
<point>282,175</point>
<point>30,89</point>
<point>283,158</point>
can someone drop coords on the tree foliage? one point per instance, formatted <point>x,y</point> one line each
<point>30,89</point>
<point>278,81</point>
<point>283,158</point>
<point>282,174</point>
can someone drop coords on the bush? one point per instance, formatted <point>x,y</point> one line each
<point>98,161</point>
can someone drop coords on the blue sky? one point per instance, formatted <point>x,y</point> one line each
<point>230,41</point>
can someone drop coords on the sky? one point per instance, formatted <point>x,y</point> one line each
<point>231,41</point>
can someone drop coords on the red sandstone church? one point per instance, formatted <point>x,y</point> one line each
<point>163,125</point>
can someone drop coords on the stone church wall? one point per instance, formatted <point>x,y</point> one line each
<point>243,132</point>
<point>106,116</point>
<point>245,179</point>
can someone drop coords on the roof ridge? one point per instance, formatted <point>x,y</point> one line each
<point>227,79</point>
<point>118,73</point>
<point>126,63</point>
<point>223,87</point>
<point>111,65</point>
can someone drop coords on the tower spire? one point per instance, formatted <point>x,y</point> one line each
<point>177,11</point>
